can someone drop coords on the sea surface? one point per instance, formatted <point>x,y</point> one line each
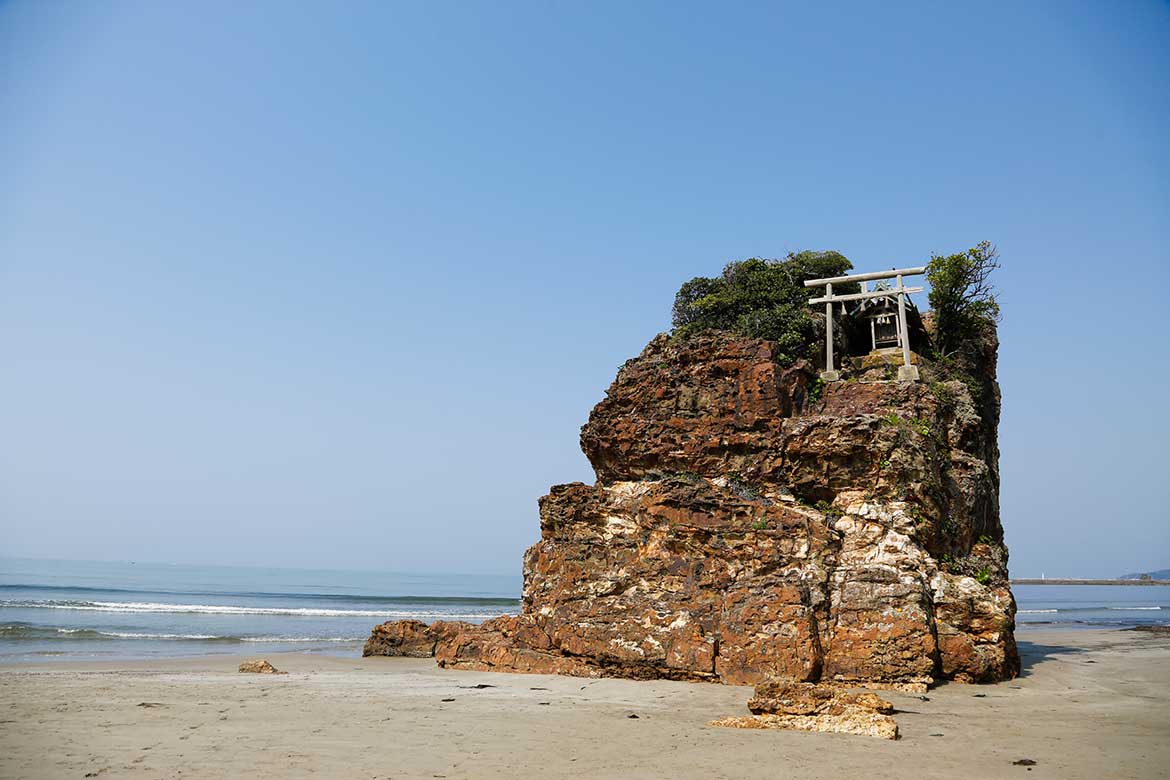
<point>91,610</point>
<point>88,610</point>
<point>1092,606</point>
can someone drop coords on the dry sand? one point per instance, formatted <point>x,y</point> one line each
<point>1090,704</point>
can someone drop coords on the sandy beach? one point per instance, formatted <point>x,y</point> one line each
<point>1090,704</point>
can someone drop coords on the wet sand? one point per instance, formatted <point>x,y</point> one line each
<point>1090,704</point>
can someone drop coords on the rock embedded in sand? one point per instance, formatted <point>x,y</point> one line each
<point>859,723</point>
<point>259,666</point>
<point>749,523</point>
<point>783,697</point>
<point>781,704</point>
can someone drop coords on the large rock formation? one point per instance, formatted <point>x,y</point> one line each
<point>750,523</point>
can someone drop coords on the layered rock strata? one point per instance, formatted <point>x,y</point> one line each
<point>750,523</point>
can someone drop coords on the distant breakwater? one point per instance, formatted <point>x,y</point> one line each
<point>1053,581</point>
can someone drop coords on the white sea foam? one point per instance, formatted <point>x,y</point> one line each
<point>303,639</point>
<point>144,635</point>
<point>1127,609</point>
<point>127,607</point>
<point>149,635</point>
<point>1034,611</point>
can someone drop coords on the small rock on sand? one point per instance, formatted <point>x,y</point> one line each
<point>779,704</point>
<point>259,666</point>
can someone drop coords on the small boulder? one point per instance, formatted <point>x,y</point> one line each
<point>259,666</point>
<point>783,697</point>
<point>410,638</point>
<point>781,704</point>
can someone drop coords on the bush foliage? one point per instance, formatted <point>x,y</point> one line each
<point>961,294</point>
<point>761,299</point>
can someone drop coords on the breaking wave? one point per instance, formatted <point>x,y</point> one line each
<point>16,631</point>
<point>470,601</point>
<point>132,607</point>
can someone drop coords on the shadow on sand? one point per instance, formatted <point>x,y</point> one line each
<point>1034,653</point>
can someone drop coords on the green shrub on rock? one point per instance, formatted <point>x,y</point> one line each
<point>760,299</point>
<point>961,295</point>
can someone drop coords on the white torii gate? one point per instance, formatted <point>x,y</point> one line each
<point>907,371</point>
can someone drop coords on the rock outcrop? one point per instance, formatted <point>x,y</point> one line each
<point>779,704</point>
<point>749,522</point>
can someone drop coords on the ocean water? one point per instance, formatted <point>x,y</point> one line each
<point>91,610</point>
<point>87,610</point>
<point>1102,606</point>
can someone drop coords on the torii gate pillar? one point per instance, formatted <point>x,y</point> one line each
<point>907,372</point>
<point>830,374</point>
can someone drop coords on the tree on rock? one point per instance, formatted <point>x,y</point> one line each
<point>760,299</point>
<point>961,294</point>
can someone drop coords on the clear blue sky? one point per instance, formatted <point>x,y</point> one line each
<point>335,285</point>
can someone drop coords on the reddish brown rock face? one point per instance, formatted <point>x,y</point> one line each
<point>742,528</point>
<point>704,406</point>
<point>411,638</point>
